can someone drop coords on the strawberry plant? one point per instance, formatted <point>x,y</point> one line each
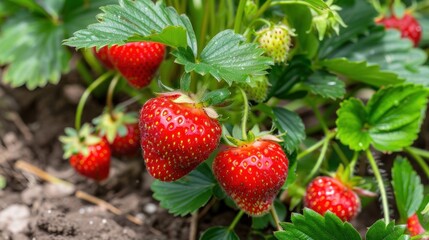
<point>298,114</point>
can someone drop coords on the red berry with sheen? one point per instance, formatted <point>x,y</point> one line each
<point>329,194</point>
<point>129,144</point>
<point>96,163</point>
<point>252,174</point>
<point>414,226</point>
<point>176,137</point>
<point>137,61</point>
<point>103,56</point>
<point>407,25</point>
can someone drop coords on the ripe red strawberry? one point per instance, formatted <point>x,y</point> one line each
<point>128,144</point>
<point>407,25</point>
<point>103,56</point>
<point>329,194</point>
<point>252,174</point>
<point>176,136</point>
<point>414,226</point>
<point>137,61</point>
<point>121,130</point>
<point>89,155</point>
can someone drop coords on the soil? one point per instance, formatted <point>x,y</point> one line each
<point>30,124</point>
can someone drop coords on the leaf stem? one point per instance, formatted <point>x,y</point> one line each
<point>321,157</point>
<point>354,161</point>
<point>319,117</point>
<point>418,159</point>
<point>418,151</point>
<point>263,8</point>
<point>110,92</point>
<point>245,115</point>
<point>315,146</point>
<point>380,185</point>
<point>85,96</point>
<point>236,220</point>
<point>302,2</point>
<point>275,217</point>
<point>239,16</point>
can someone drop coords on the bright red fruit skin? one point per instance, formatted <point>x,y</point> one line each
<point>103,56</point>
<point>137,61</point>
<point>252,174</point>
<point>96,164</point>
<point>128,145</point>
<point>407,25</point>
<point>414,226</point>
<point>328,194</point>
<point>176,137</point>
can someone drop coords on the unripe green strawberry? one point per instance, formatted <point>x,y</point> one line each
<point>258,92</point>
<point>276,41</point>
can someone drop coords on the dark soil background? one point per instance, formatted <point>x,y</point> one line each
<point>30,124</point>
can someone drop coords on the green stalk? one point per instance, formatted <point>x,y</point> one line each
<point>418,151</point>
<point>239,16</point>
<point>275,217</point>
<point>85,96</point>
<point>354,161</point>
<point>340,153</point>
<point>302,2</point>
<point>235,221</point>
<point>312,148</point>
<point>110,92</point>
<point>380,185</point>
<point>320,118</point>
<point>320,159</point>
<point>245,115</point>
<point>419,160</point>
<point>263,8</point>
<point>204,25</point>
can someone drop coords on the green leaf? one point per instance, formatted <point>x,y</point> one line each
<point>216,96</point>
<point>351,124</point>
<point>407,187</point>
<point>227,56</point>
<point>361,71</point>
<point>379,230</point>
<point>395,116</point>
<point>187,194</point>
<point>134,21</point>
<point>318,4</point>
<point>219,233</point>
<point>390,121</point>
<point>325,85</point>
<point>290,123</point>
<point>313,226</point>
<point>262,222</point>
<point>32,48</point>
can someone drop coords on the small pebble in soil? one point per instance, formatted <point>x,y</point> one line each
<point>150,208</point>
<point>15,218</point>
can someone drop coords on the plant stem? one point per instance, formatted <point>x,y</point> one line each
<point>275,217</point>
<point>245,115</point>
<point>239,16</point>
<point>315,146</point>
<point>302,2</point>
<point>263,8</point>
<point>418,151</point>
<point>380,185</point>
<point>354,161</point>
<point>419,160</point>
<point>85,96</point>
<point>340,153</point>
<point>320,118</point>
<point>110,92</point>
<point>236,220</point>
<point>321,157</point>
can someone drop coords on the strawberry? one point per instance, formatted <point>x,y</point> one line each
<point>252,174</point>
<point>128,144</point>
<point>137,61</point>
<point>407,25</point>
<point>414,226</point>
<point>276,41</point>
<point>121,130</point>
<point>329,194</point>
<point>103,56</point>
<point>88,154</point>
<point>258,92</point>
<point>176,135</point>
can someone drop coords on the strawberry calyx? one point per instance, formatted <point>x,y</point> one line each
<point>75,142</point>
<point>237,139</point>
<point>355,183</point>
<point>114,124</point>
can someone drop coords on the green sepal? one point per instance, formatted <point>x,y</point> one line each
<point>77,142</point>
<point>114,125</point>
